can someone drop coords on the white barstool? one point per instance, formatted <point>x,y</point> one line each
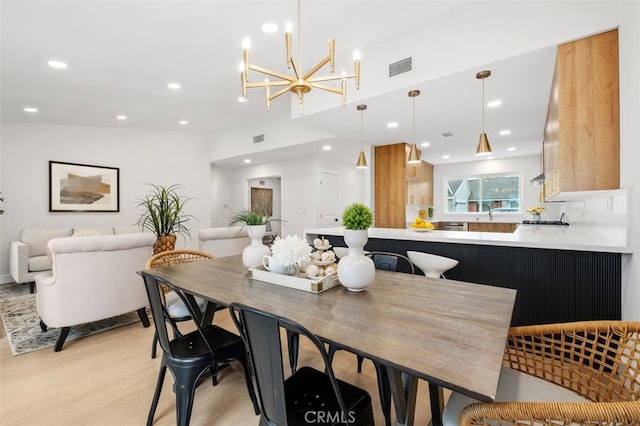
<point>430,264</point>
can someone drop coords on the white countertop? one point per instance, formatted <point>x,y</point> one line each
<point>573,237</point>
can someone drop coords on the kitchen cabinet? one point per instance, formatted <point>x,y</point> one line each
<point>398,183</point>
<point>581,148</point>
<point>492,227</point>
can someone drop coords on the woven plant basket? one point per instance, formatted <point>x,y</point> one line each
<point>164,243</point>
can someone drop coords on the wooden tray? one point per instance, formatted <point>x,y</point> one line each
<point>315,285</point>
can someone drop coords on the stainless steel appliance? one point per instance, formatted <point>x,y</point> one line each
<point>454,226</point>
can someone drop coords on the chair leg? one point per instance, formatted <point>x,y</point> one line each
<point>43,326</point>
<point>154,345</point>
<point>63,336</point>
<point>384,389</point>
<point>249,381</point>
<point>156,394</point>
<point>186,383</point>
<point>32,287</point>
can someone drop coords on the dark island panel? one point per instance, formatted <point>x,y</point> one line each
<point>553,285</point>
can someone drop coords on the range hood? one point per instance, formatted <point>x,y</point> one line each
<point>538,180</point>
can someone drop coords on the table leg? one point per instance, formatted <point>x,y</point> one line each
<point>403,389</point>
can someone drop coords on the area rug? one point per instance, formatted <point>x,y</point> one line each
<point>22,323</point>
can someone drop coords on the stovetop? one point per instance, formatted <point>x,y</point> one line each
<point>544,222</point>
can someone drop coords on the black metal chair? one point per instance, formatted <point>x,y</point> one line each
<point>308,396</point>
<point>191,355</point>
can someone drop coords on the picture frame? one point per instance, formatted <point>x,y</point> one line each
<point>83,188</point>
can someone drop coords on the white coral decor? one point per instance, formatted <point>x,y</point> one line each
<point>291,251</point>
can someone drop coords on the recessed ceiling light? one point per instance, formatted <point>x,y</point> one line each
<point>425,144</point>
<point>184,122</point>
<point>30,109</point>
<point>247,161</point>
<point>57,64</point>
<point>269,27</point>
<point>326,148</point>
<point>494,104</point>
<point>173,86</point>
<point>121,117</point>
<point>392,125</point>
<point>446,157</point>
<point>242,99</point>
<point>505,132</point>
<point>511,148</point>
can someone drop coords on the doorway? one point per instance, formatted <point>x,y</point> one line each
<point>265,193</point>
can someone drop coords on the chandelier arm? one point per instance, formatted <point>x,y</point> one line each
<point>327,88</point>
<point>331,78</point>
<point>295,69</point>
<point>319,65</point>
<point>268,83</point>
<point>278,93</point>
<point>271,73</point>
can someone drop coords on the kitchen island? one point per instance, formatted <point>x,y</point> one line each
<point>561,273</point>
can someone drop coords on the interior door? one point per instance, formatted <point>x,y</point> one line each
<point>328,199</point>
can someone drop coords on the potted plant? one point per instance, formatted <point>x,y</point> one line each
<point>256,220</point>
<point>164,215</point>
<point>356,271</point>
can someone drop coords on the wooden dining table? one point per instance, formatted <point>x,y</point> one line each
<point>450,333</point>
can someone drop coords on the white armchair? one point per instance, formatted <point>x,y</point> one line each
<point>93,278</point>
<point>28,256</point>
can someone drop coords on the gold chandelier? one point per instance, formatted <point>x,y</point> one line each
<point>300,82</point>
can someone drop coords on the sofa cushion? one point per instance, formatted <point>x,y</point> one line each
<point>88,232</point>
<point>513,386</point>
<point>37,239</point>
<point>39,263</point>
<point>126,229</point>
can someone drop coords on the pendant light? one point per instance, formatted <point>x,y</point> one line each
<point>362,161</point>
<point>483,144</point>
<point>414,154</point>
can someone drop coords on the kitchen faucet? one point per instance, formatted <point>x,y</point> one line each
<point>490,214</point>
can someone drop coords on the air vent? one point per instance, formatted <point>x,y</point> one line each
<point>402,66</point>
<point>262,183</point>
<point>259,138</point>
<point>447,134</point>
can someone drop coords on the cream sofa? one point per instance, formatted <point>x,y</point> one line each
<point>93,278</point>
<point>224,241</point>
<point>28,255</point>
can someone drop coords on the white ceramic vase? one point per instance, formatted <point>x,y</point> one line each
<point>253,254</point>
<point>356,271</point>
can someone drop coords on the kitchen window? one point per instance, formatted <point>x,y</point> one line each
<point>482,194</point>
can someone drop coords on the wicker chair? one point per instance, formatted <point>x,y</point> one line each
<point>598,360</point>
<point>176,309</point>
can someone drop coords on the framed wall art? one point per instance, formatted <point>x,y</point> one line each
<point>83,188</point>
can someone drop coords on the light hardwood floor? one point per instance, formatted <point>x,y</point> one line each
<point>109,378</point>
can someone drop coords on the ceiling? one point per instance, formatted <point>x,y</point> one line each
<point>122,54</point>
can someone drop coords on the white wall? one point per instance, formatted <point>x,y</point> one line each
<point>299,184</point>
<point>629,45</point>
<point>163,158</point>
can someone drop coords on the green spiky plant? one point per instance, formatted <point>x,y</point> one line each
<point>258,216</point>
<point>357,216</point>
<point>164,211</point>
